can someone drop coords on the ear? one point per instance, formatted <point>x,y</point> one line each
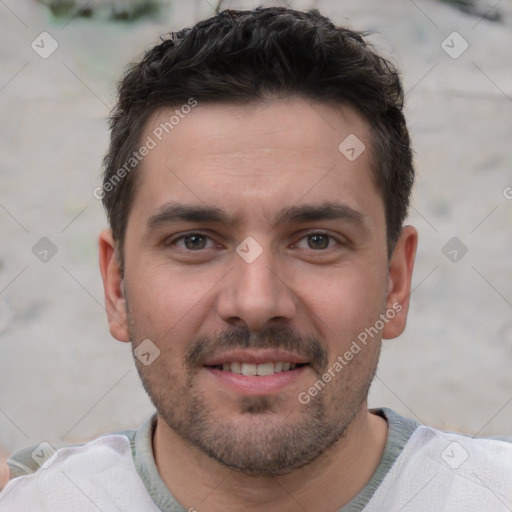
<point>115,302</point>
<point>399,286</point>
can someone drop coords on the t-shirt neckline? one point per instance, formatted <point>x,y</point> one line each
<point>400,430</point>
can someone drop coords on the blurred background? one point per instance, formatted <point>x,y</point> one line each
<point>64,379</point>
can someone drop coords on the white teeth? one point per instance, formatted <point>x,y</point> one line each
<point>235,368</point>
<point>248,369</point>
<point>262,369</point>
<point>265,369</point>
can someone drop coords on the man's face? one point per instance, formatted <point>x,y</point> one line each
<point>254,245</point>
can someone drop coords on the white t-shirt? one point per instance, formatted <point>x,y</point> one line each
<point>421,470</point>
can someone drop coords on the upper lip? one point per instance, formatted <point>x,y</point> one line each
<point>254,356</point>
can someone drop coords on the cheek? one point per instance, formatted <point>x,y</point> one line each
<point>345,302</point>
<point>165,304</point>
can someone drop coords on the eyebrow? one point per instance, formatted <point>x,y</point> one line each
<point>176,212</point>
<point>324,211</point>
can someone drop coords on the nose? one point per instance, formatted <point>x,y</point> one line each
<point>256,294</point>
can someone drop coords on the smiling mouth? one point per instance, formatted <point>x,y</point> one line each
<point>262,369</point>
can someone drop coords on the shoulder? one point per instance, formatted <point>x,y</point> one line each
<point>32,458</point>
<point>447,471</point>
<point>456,450</point>
<point>423,443</point>
<point>100,473</point>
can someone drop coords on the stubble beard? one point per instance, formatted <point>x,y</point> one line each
<point>270,443</point>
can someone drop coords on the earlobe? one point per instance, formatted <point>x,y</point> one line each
<point>400,276</point>
<point>113,286</point>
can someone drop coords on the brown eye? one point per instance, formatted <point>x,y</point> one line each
<point>194,242</point>
<point>318,241</point>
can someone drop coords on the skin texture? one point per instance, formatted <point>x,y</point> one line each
<point>194,298</point>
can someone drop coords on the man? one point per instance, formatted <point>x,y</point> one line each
<point>256,185</point>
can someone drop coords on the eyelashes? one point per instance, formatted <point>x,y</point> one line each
<point>196,241</point>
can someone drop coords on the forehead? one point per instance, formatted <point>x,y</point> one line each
<point>256,158</point>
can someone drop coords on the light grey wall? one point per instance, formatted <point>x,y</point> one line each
<point>63,378</point>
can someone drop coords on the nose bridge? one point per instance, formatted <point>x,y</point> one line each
<point>255,292</point>
<point>258,275</point>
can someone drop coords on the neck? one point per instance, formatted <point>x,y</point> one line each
<point>327,483</point>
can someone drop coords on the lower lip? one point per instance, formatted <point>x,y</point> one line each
<point>254,385</point>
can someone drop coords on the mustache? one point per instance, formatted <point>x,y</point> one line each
<point>285,338</point>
